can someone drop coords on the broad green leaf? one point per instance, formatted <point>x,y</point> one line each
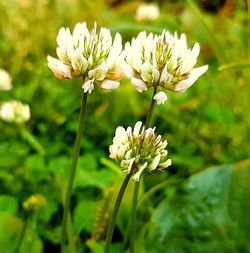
<point>209,214</point>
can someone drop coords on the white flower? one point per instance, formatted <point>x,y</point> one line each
<point>5,80</point>
<point>162,61</point>
<point>147,12</point>
<point>14,111</point>
<point>139,150</point>
<point>89,54</point>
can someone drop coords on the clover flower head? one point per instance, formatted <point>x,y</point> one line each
<point>147,12</point>
<point>91,55</point>
<point>35,203</point>
<point>14,111</point>
<point>139,150</point>
<point>162,61</point>
<point>5,80</point>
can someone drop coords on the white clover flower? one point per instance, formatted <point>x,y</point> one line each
<point>5,80</point>
<point>139,150</point>
<point>162,61</point>
<point>89,54</point>
<point>147,12</point>
<point>14,111</point>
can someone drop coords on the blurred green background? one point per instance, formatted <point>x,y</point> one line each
<point>201,204</point>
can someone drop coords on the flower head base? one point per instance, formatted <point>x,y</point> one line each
<point>5,80</point>
<point>35,203</point>
<point>14,111</point>
<point>139,150</point>
<point>162,61</point>
<point>88,54</point>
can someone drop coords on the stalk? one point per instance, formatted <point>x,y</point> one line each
<point>114,214</point>
<point>73,169</point>
<point>137,184</point>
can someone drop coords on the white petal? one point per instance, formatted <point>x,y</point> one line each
<point>193,76</point>
<point>139,84</point>
<point>99,73</point>
<point>160,97</point>
<point>115,50</point>
<point>121,135</point>
<point>153,165</point>
<point>110,85</point>
<point>128,154</point>
<point>165,76</point>
<point>127,164</point>
<point>146,72</point>
<point>137,175</point>
<point>64,38</point>
<point>165,164</point>
<point>113,149</point>
<point>88,86</point>
<point>60,70</point>
<point>189,60</point>
<point>137,128</point>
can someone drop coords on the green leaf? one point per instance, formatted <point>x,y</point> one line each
<point>240,64</point>
<point>8,204</point>
<point>96,247</point>
<point>84,216</point>
<point>209,214</point>
<point>10,232</point>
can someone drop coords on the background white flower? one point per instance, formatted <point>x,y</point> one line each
<point>5,80</point>
<point>139,150</point>
<point>162,61</point>
<point>14,111</point>
<point>88,54</point>
<point>147,12</point>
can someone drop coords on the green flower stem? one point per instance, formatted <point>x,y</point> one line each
<point>137,184</point>
<point>114,214</point>
<point>133,216</point>
<point>73,168</point>
<point>150,111</point>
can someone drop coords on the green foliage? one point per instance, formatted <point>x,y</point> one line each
<point>209,213</point>
<point>196,210</point>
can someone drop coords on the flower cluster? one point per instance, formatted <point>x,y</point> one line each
<point>139,150</point>
<point>5,80</point>
<point>88,54</point>
<point>35,202</point>
<point>14,111</point>
<point>162,61</point>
